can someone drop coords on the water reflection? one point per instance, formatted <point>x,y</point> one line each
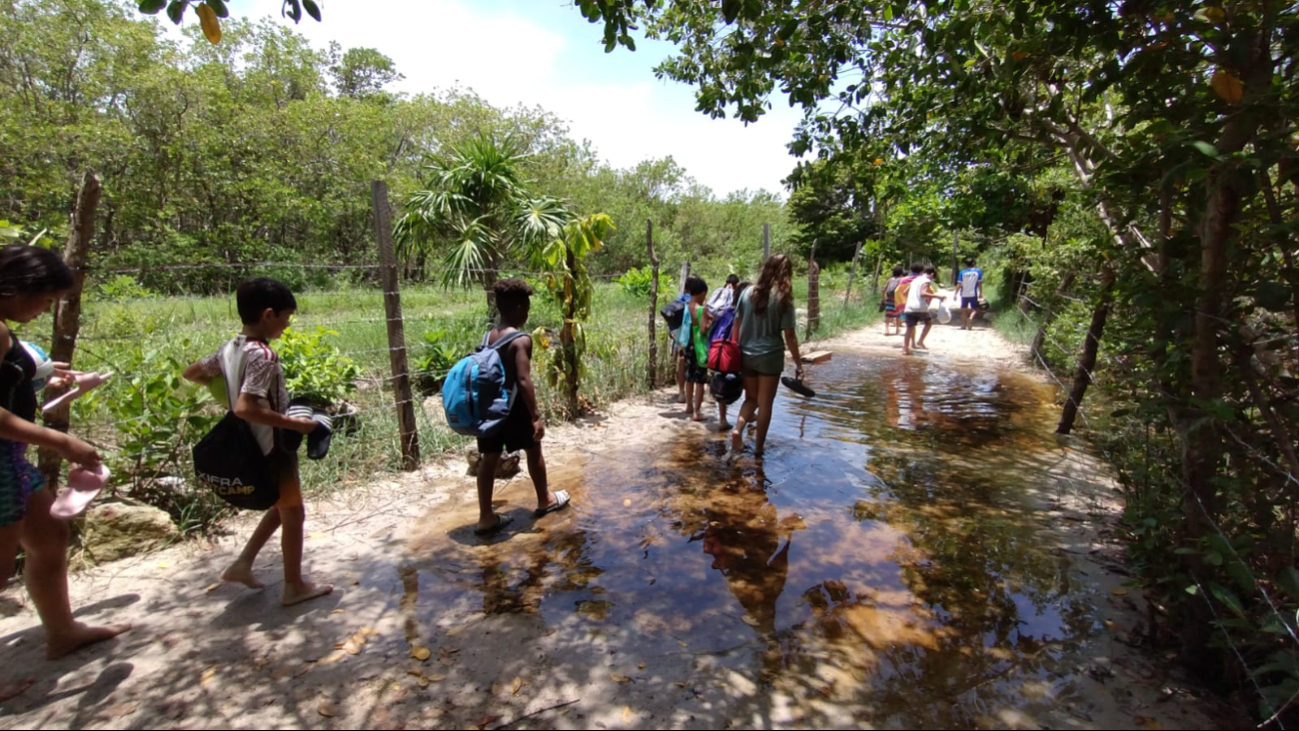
<point>888,551</point>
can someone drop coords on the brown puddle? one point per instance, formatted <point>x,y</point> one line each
<point>889,553</point>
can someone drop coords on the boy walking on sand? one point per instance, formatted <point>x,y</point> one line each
<point>920,292</point>
<point>523,428</point>
<point>266,306</point>
<point>971,283</point>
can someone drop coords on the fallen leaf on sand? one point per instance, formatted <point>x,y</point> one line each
<point>369,632</point>
<point>337,611</point>
<point>327,710</point>
<point>352,647</point>
<point>516,685</point>
<point>423,681</point>
<point>435,678</point>
<point>455,630</point>
<point>213,587</point>
<point>164,565</point>
<point>641,666</point>
<point>420,653</point>
<point>626,713</point>
<point>120,709</point>
<point>486,721</point>
<point>208,676</point>
<point>619,678</point>
<point>1119,591</point>
<point>331,659</point>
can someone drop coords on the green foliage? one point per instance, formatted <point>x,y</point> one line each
<point>639,282</point>
<point>440,351</point>
<point>122,287</point>
<point>159,417</point>
<point>316,369</point>
<point>571,288</point>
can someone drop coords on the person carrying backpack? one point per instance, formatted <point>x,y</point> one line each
<point>512,420</point>
<point>724,360</point>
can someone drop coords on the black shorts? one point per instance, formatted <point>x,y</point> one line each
<point>915,318</point>
<point>517,433</point>
<point>695,372</point>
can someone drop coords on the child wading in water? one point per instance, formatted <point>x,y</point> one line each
<point>266,306</point>
<point>694,346</point>
<point>32,279</point>
<point>523,428</point>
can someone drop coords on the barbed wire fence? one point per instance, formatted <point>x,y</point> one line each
<point>1288,626</point>
<point>140,332</point>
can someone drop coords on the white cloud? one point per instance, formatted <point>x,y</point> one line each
<point>509,58</point>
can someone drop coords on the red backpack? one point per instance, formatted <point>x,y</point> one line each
<point>724,345</point>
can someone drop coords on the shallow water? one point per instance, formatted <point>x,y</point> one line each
<point>889,555</point>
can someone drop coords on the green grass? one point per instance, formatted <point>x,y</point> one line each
<point>1007,319</point>
<point>143,337</point>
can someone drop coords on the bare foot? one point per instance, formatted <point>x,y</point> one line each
<point>78,636</point>
<point>304,592</point>
<point>681,398</point>
<point>737,442</point>
<point>698,416</point>
<point>240,573</point>
<point>724,426</point>
<point>15,688</point>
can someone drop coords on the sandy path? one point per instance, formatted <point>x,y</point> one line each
<point>204,655</point>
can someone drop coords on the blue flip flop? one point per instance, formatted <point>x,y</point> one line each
<point>562,499</point>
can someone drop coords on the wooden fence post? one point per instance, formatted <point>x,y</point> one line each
<point>405,401</point>
<point>685,274</point>
<point>67,318</point>
<point>766,242</point>
<point>652,368</point>
<point>852,275</point>
<point>813,294</point>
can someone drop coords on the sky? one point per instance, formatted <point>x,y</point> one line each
<point>543,52</point>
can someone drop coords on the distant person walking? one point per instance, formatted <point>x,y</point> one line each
<point>970,283</point>
<point>765,312</point>
<point>919,295</point>
<point>890,303</point>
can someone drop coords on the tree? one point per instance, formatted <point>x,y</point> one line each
<point>564,259</point>
<point>361,73</point>
<point>475,209</point>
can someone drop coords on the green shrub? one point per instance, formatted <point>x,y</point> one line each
<point>123,287</point>
<point>637,282</point>
<point>315,369</point>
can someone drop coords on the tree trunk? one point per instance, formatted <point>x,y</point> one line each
<point>568,342</point>
<point>1091,349</point>
<point>67,318</point>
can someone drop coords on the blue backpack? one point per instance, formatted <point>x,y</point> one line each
<point>475,396</point>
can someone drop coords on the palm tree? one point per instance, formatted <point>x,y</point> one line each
<point>475,210</point>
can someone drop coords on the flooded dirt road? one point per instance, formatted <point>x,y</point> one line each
<point>915,550</point>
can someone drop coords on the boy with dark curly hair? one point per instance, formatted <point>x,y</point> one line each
<point>523,428</point>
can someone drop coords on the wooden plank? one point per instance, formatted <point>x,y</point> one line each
<point>817,356</point>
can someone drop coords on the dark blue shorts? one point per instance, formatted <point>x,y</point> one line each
<point>969,303</point>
